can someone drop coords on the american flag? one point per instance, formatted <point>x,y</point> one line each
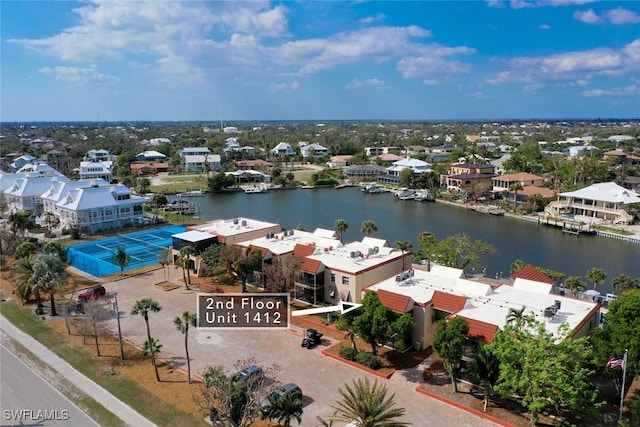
<point>616,361</point>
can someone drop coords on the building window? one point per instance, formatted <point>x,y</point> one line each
<point>333,277</point>
<point>345,280</point>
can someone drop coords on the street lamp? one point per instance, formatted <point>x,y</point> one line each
<point>115,307</point>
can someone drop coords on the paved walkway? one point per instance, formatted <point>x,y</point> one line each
<point>116,406</point>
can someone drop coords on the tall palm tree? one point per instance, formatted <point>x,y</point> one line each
<point>122,258</point>
<point>163,258</point>
<point>24,278</point>
<point>515,315</point>
<point>596,276</point>
<point>575,285</point>
<point>185,263</point>
<point>515,187</point>
<point>367,403</point>
<point>49,272</point>
<point>428,243</point>
<point>182,324</point>
<point>404,247</point>
<point>143,307</point>
<point>58,249</point>
<point>624,282</point>
<point>341,227</point>
<point>369,227</point>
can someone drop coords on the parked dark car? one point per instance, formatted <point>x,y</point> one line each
<point>277,394</point>
<point>251,374</point>
<point>311,338</point>
<point>92,293</point>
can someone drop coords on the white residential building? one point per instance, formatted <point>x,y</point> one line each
<point>392,176</point>
<point>310,150</point>
<point>24,194</point>
<point>19,162</point>
<point>195,151</point>
<point>150,156</point>
<point>96,169</point>
<point>201,163</point>
<point>283,149</point>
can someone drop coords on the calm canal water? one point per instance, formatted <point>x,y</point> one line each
<point>404,220</point>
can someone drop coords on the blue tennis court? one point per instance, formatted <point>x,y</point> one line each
<point>143,247</point>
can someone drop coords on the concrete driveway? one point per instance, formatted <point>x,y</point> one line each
<point>318,376</point>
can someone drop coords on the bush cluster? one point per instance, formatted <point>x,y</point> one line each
<point>364,358</point>
<point>348,353</point>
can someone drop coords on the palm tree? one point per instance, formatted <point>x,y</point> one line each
<point>596,275</point>
<point>369,227</point>
<point>515,187</point>
<point>24,278</point>
<point>143,307</point>
<point>515,315</point>
<point>517,265</point>
<point>404,247</point>
<point>49,272</point>
<point>368,404</point>
<point>284,408</point>
<point>58,249</point>
<point>151,347</point>
<point>122,258</point>
<point>624,282</point>
<point>185,262</point>
<point>486,369</point>
<point>182,324</point>
<point>428,243</point>
<point>575,285</point>
<point>163,259</point>
<point>341,227</point>
<point>158,200</point>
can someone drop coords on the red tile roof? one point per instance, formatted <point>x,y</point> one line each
<point>529,190</point>
<point>310,265</point>
<point>396,302</point>
<point>303,250</point>
<point>531,273</point>
<point>447,302</point>
<point>518,177</point>
<point>481,330</point>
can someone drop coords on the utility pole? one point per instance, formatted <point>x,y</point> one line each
<point>115,306</point>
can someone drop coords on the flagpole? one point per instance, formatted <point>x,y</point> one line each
<point>624,374</point>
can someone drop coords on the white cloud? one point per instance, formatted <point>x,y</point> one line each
<point>572,66</point>
<point>79,75</point>
<point>424,66</point>
<point>278,87</point>
<point>373,18</point>
<point>544,26</point>
<point>631,90</point>
<point>521,4</point>
<point>617,16</point>
<point>621,16</point>
<point>588,17</point>
<point>355,84</point>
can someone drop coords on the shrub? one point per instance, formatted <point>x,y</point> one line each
<point>24,292</point>
<point>348,353</point>
<point>368,359</point>
<point>225,279</point>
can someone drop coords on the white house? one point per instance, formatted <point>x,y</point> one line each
<point>315,149</point>
<point>39,168</point>
<point>98,155</point>
<point>100,207</point>
<point>283,149</point>
<point>392,177</point>
<point>601,202</point>
<point>96,169</point>
<point>150,156</point>
<point>23,195</point>
<point>201,163</point>
<point>195,151</point>
<point>19,162</point>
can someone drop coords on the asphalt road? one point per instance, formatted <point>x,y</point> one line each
<point>27,399</point>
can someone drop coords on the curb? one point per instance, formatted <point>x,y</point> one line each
<point>465,408</point>
<point>357,365</point>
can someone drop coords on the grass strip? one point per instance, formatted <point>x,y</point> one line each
<point>148,405</point>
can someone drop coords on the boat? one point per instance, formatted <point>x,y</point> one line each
<point>373,189</point>
<point>404,194</point>
<point>307,187</point>
<point>256,189</point>
<point>192,193</point>
<point>424,196</point>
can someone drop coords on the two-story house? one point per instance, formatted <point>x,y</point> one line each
<point>464,176</point>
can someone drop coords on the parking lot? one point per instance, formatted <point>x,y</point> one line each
<point>319,377</point>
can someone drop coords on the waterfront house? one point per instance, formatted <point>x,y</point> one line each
<point>463,176</point>
<point>445,293</point>
<point>392,177</point>
<point>502,183</point>
<point>364,172</point>
<point>601,202</point>
<point>97,207</point>
<point>148,168</point>
<point>201,162</point>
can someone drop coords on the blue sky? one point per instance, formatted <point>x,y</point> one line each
<point>319,60</point>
